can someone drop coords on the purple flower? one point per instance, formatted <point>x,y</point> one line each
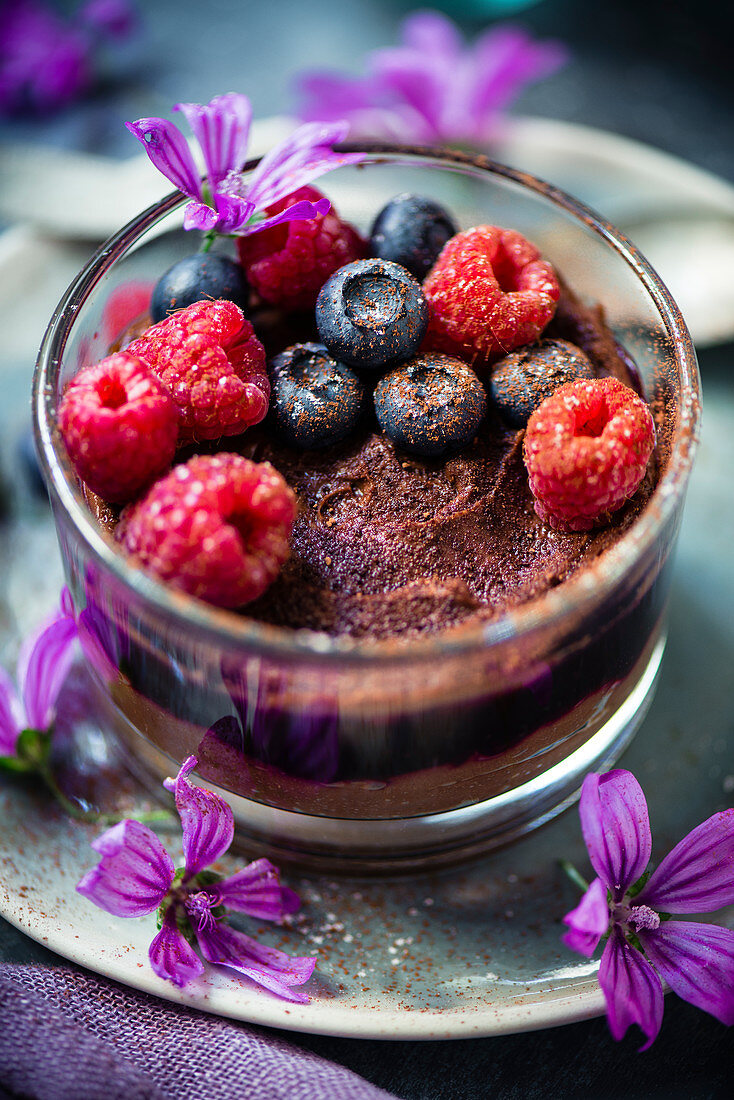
<point>47,62</point>
<point>225,203</point>
<point>108,18</point>
<point>644,945</point>
<point>43,664</point>
<point>433,88</point>
<point>136,876</point>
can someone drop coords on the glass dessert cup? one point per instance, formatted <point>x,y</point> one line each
<point>363,755</point>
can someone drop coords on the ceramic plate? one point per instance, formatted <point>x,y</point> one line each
<point>470,953</point>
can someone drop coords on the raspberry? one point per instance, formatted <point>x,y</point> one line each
<point>288,264</point>
<point>213,365</point>
<point>124,305</point>
<point>586,450</point>
<point>217,527</point>
<point>119,425</point>
<point>488,292</point>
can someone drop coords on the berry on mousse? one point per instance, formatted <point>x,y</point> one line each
<point>119,425</point>
<point>205,275</point>
<point>212,364</point>
<point>289,263</point>
<point>488,293</point>
<point>216,527</point>
<point>432,438</point>
<point>431,405</point>
<point>315,400</point>
<point>524,378</point>
<point>371,313</point>
<point>411,231</point>
<point>586,450</point>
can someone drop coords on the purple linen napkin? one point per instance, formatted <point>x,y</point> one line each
<point>65,1035</point>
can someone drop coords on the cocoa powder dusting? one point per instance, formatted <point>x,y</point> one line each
<point>389,545</point>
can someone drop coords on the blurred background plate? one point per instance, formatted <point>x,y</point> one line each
<point>680,216</point>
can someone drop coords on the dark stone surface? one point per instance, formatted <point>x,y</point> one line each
<point>660,72</point>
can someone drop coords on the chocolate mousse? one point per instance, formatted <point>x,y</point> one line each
<point>387,543</point>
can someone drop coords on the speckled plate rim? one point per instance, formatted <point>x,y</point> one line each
<point>338,1018</point>
<point>45,907</point>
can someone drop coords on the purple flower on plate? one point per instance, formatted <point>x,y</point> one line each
<point>27,713</point>
<point>46,61</point>
<point>433,88</point>
<point>137,876</point>
<point>224,202</point>
<point>644,944</point>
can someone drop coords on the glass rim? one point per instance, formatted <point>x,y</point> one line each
<point>229,628</point>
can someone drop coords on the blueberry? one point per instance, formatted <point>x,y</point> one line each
<point>315,401</point>
<point>431,405</point>
<point>204,275</point>
<point>371,312</point>
<point>523,379</point>
<point>411,230</point>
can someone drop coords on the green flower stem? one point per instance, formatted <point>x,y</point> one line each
<point>577,879</point>
<point>208,241</point>
<point>33,750</point>
<point>67,804</point>
<point>94,817</point>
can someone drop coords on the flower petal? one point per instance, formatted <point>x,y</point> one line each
<point>420,82</point>
<point>207,820</point>
<point>134,874</point>
<point>11,715</point>
<point>432,87</point>
<point>429,32</point>
<point>270,968</point>
<point>111,18</point>
<point>66,603</point>
<point>506,58</point>
<point>616,828</point>
<point>172,956</point>
<point>44,60</point>
<point>303,210</point>
<point>197,215</point>
<point>631,988</point>
<point>44,663</point>
<point>697,962</point>
<point>222,128</point>
<point>299,159</point>
<point>256,890</point>
<point>298,145</point>
<point>588,921</point>
<point>169,151</point>
<point>324,96</point>
<point>233,212</point>
<point>698,875</point>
